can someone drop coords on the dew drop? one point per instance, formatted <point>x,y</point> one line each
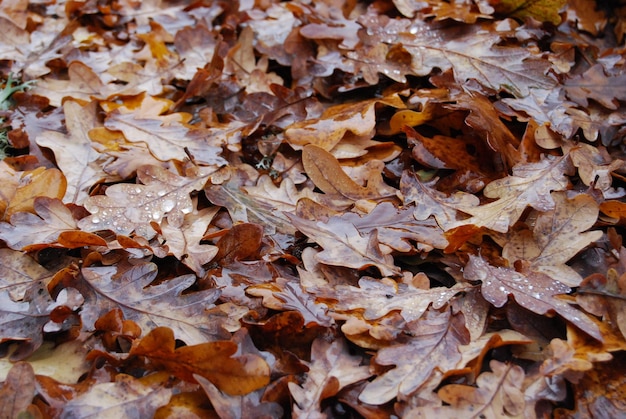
<point>94,210</point>
<point>186,210</point>
<point>168,205</point>
<point>161,192</point>
<point>156,215</point>
<point>501,289</point>
<point>95,220</point>
<point>137,189</point>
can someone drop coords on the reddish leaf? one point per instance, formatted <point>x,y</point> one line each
<point>235,375</point>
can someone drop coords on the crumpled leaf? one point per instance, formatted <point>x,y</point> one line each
<point>244,207</point>
<point>534,291</point>
<point>331,368</point>
<point>128,208</point>
<point>432,349</point>
<point>126,397</point>
<point>27,319</point>
<point>376,298</point>
<point>497,394</point>
<point>75,154</point>
<point>184,241</point>
<point>327,131</point>
<point>530,184</point>
<point>151,306</point>
<point>52,218</point>
<point>236,375</point>
<point>398,228</point>
<point>284,294</point>
<point>165,135</point>
<point>344,245</point>
<point>557,236</point>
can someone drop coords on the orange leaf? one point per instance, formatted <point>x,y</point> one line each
<point>76,238</point>
<point>34,183</point>
<point>213,360</point>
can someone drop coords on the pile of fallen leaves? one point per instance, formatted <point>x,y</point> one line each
<point>313,208</point>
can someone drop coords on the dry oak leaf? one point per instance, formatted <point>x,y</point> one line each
<point>245,207</point>
<point>219,362</point>
<point>344,245</point>
<point>27,319</point>
<point>595,165</point>
<point>530,184</point>
<point>32,184</point>
<point>326,173</point>
<point>541,10</point>
<point>398,228</point>
<point>151,306</point>
<point>132,207</point>
<point>83,84</point>
<point>431,202</point>
<point>600,393</point>
<point>284,294</point>
<point>471,51</point>
<point>376,298</point>
<point>498,394</point>
<point>595,83</point>
<point>125,398</point>
<point>432,349</point>
<point>235,407</point>
<point>25,229</point>
<point>18,272</point>
<point>332,368</point>
<point>75,153</point>
<point>17,391</point>
<point>534,291</point>
<point>184,241</point>
<point>328,130</point>
<point>167,136</point>
<point>558,235</point>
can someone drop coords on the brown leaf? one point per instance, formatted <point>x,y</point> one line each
<point>52,219</point>
<point>234,375</point>
<point>558,235</point>
<point>432,349</point>
<point>234,407</point>
<point>327,174</point>
<point>535,291</point>
<point>75,154</point>
<point>125,397</point>
<point>497,394</point>
<point>242,241</point>
<point>344,245</point>
<point>32,184</point>
<point>331,369</point>
<point>530,184</point>
<point>151,306</point>
<point>128,208</point>
<point>359,118</point>
<point>17,391</point>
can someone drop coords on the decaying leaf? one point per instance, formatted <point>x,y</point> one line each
<point>151,306</point>
<point>530,185</point>
<point>557,236</point>
<point>432,348</point>
<point>125,397</point>
<point>128,208</point>
<point>344,245</point>
<point>235,375</point>
<point>331,369</point>
<point>17,391</point>
<point>535,291</point>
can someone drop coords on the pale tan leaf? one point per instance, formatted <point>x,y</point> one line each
<point>75,153</point>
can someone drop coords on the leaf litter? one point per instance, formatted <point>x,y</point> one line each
<point>312,209</point>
